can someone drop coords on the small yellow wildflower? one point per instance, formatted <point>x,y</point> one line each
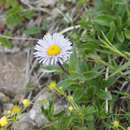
<point>70,98</point>
<point>15,109</point>
<point>115,124</point>
<point>52,85</point>
<point>3,121</point>
<point>26,102</point>
<point>70,108</point>
<point>128,128</point>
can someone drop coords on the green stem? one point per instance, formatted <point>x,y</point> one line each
<point>122,127</point>
<point>61,66</point>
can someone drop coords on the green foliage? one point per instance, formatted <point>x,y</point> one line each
<point>13,17</point>
<point>15,13</point>
<point>32,31</point>
<point>101,60</point>
<point>98,71</point>
<point>5,43</point>
<point>48,112</point>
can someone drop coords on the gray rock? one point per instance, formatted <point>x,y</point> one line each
<point>7,106</point>
<point>35,112</point>
<point>59,106</point>
<point>12,73</point>
<point>24,123</point>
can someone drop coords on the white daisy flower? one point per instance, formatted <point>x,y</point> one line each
<point>53,49</point>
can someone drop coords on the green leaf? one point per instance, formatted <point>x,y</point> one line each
<point>9,3</point>
<point>120,36</point>
<point>104,20</point>
<point>111,32</point>
<point>13,17</point>
<point>102,94</point>
<point>90,110</point>
<point>5,43</point>
<point>49,112</point>
<point>81,2</point>
<point>28,14</point>
<point>127,34</point>
<point>44,25</point>
<point>90,47</point>
<point>12,3</point>
<point>74,62</point>
<point>32,31</point>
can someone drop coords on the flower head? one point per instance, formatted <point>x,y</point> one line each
<point>53,49</point>
<point>70,108</point>
<point>3,121</point>
<point>70,98</point>
<point>26,102</point>
<point>15,109</point>
<point>128,128</point>
<point>52,85</point>
<point>115,124</point>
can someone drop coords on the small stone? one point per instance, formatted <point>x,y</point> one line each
<point>3,98</point>
<point>7,106</point>
<point>24,123</point>
<point>35,112</point>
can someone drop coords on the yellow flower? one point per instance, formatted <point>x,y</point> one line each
<point>128,128</point>
<point>3,121</point>
<point>70,98</point>
<point>15,109</point>
<point>26,102</point>
<point>115,124</point>
<point>70,108</point>
<point>52,85</point>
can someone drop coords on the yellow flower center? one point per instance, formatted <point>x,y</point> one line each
<point>53,50</point>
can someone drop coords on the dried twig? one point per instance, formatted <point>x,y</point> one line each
<point>106,90</point>
<point>38,9</point>
<point>69,29</point>
<point>18,38</point>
